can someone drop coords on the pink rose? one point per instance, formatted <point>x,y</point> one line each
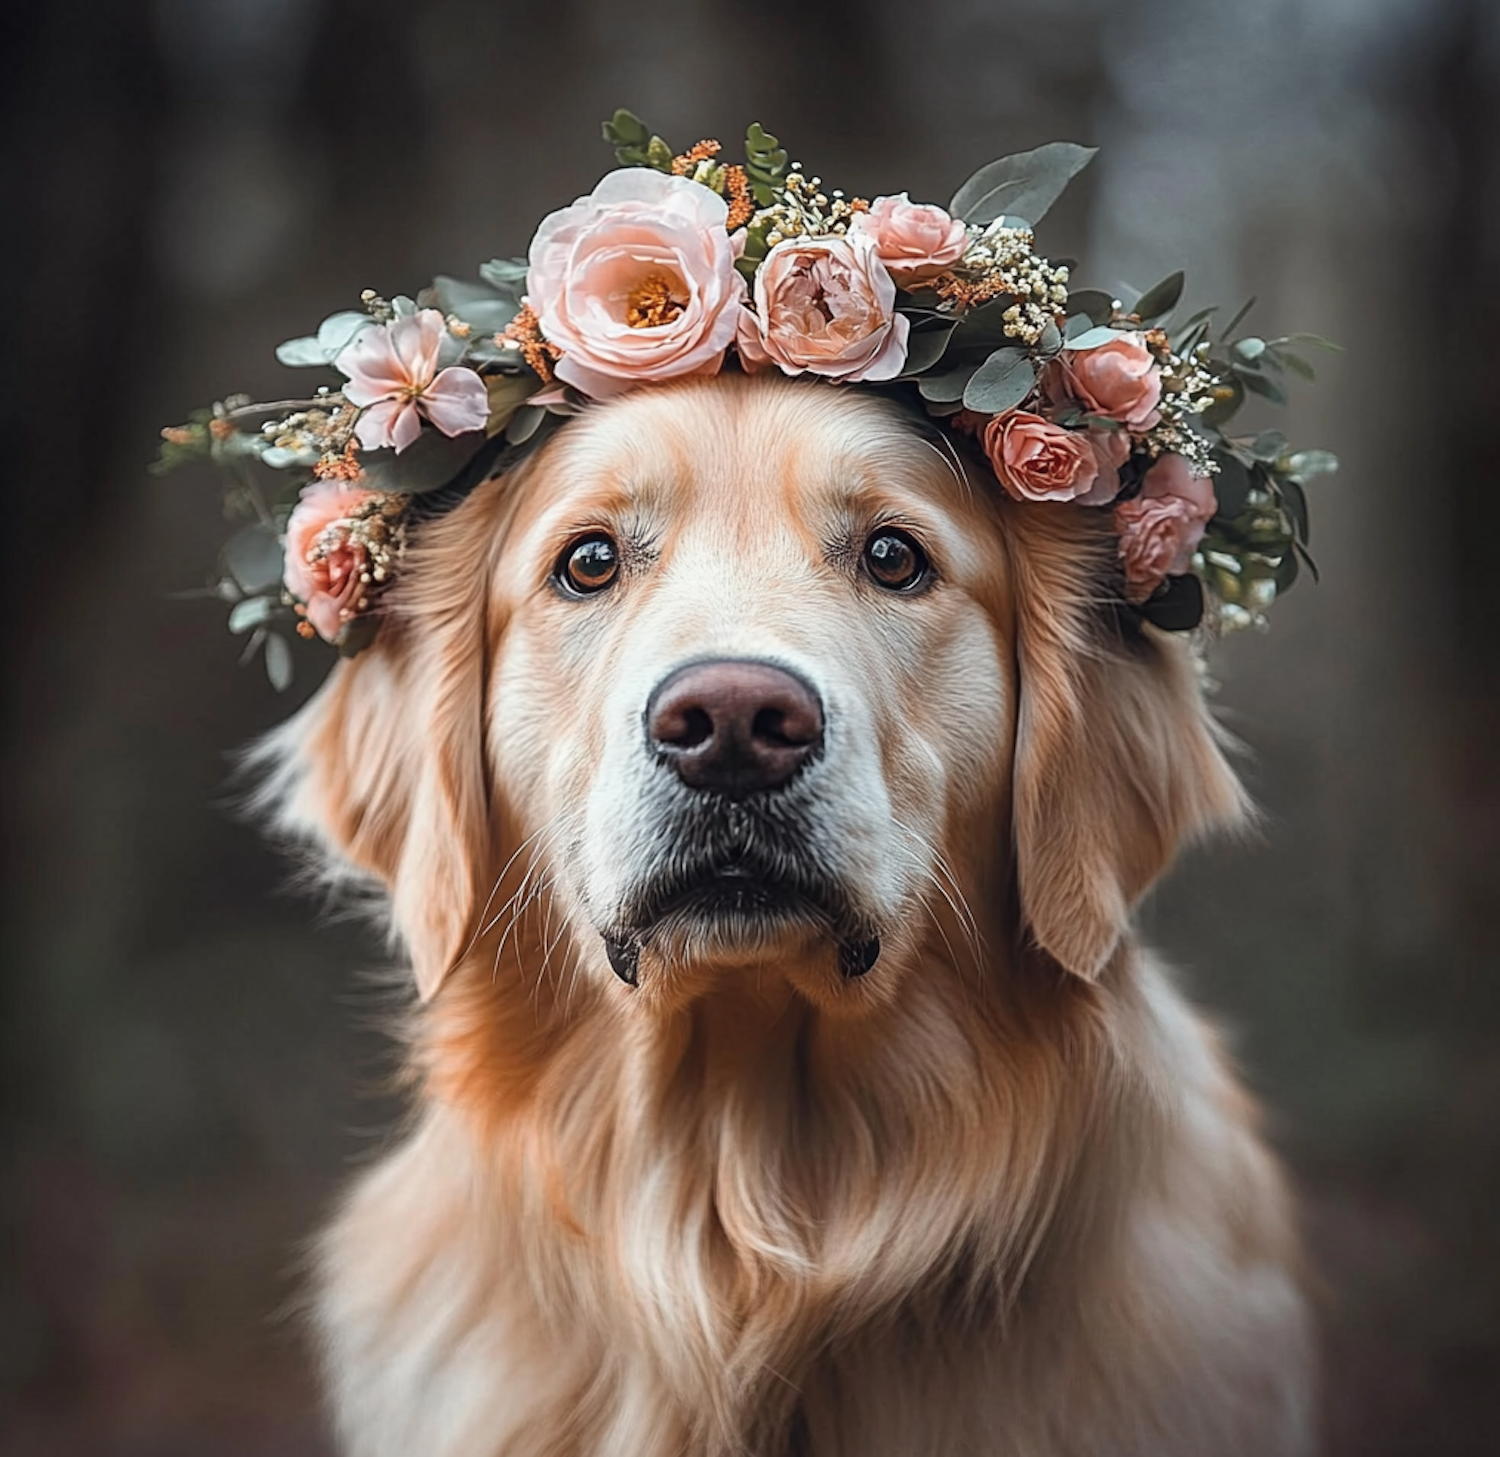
<point>826,306</point>
<point>1161,528</point>
<point>636,282</point>
<point>915,240</point>
<point>1036,460</point>
<point>325,568</point>
<point>394,378</point>
<point>1121,380</point>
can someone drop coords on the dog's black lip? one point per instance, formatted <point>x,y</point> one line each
<point>737,887</point>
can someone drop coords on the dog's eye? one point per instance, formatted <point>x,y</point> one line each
<point>589,565</point>
<point>894,561</point>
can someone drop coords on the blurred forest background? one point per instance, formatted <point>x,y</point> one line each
<point>189,1057</point>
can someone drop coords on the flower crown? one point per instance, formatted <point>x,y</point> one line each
<point>676,261</point>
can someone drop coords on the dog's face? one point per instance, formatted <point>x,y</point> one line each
<point>757,678</point>
<point>752,675</point>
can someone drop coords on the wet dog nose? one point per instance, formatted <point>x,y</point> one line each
<point>734,725</point>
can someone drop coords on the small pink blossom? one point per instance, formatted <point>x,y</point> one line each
<point>1161,528</point>
<point>915,240</point>
<point>1121,380</point>
<point>326,569</point>
<point>826,306</point>
<point>636,282</point>
<point>394,378</point>
<point>1036,460</point>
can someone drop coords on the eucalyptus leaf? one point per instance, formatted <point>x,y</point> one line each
<point>403,306</point>
<point>946,387</point>
<point>1250,349</point>
<point>487,308</point>
<point>250,612</point>
<point>1306,560</point>
<point>334,335</point>
<point>357,634</point>
<point>427,464</point>
<point>1000,383</point>
<point>924,348</point>
<point>1093,338</point>
<point>1160,299</point>
<point>1049,341</point>
<point>524,424</point>
<point>253,557</point>
<point>1092,303</point>
<point>1297,365</point>
<point>1024,185</point>
<point>1286,571</point>
<point>278,661</point>
<point>506,275</point>
<point>278,457</point>
<point>301,353</point>
<point>1306,464</point>
<point>1218,414</point>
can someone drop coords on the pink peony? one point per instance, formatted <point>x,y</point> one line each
<point>1161,528</point>
<point>325,568</point>
<point>915,240</point>
<point>1036,460</point>
<point>1120,379</point>
<point>394,378</point>
<point>825,306</point>
<point>636,282</point>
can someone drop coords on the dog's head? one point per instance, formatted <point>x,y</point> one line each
<point>755,674</point>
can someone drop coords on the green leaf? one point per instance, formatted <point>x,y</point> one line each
<point>1294,499</point>
<point>1307,464</point>
<point>1001,382</point>
<point>427,464</point>
<point>924,348</point>
<point>1096,305</point>
<point>1218,414</point>
<point>1026,184</point>
<point>278,661</point>
<point>507,392</point>
<point>1306,560</point>
<point>1250,349</point>
<point>1049,341</point>
<point>1286,571</point>
<point>947,387</point>
<point>1231,485</point>
<point>1175,606</point>
<point>626,129</point>
<point>250,612</point>
<point>253,557</point>
<point>766,164</point>
<point>1238,319</point>
<point>1258,384</point>
<point>357,634</point>
<point>1268,445</point>
<point>1160,299</point>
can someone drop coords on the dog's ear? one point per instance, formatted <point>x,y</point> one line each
<point>1117,762</point>
<point>383,772</point>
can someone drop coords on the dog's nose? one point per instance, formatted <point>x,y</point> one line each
<point>734,725</point>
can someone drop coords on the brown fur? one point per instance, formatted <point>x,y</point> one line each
<point>1000,1195</point>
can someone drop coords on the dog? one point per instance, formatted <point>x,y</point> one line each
<point>761,798</point>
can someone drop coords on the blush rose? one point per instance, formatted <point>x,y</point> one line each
<point>636,282</point>
<point>1036,460</point>
<point>1121,380</point>
<point>915,240</point>
<point>326,570</point>
<point>825,306</point>
<point>1161,528</point>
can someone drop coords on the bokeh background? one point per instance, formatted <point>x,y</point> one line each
<point>191,1063</point>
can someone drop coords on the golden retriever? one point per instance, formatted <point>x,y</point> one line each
<point>761,798</point>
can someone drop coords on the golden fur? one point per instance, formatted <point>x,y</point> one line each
<point>1000,1195</point>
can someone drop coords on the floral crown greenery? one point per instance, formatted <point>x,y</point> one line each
<point>674,262</point>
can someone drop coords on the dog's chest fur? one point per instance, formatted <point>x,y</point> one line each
<point>713,1265</point>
